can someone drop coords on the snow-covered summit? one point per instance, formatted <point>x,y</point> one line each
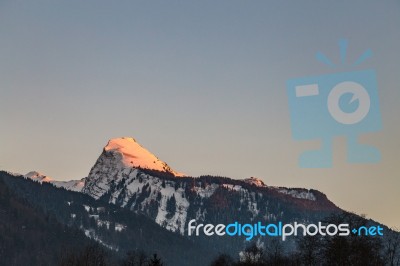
<point>120,158</point>
<point>255,181</point>
<point>134,155</point>
<point>36,176</point>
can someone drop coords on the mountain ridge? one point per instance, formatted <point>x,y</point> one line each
<point>73,185</point>
<point>171,201</point>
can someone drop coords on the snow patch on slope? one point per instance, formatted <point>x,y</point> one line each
<point>298,194</point>
<point>207,191</point>
<point>73,185</point>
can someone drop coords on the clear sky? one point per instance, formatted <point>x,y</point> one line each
<point>202,84</point>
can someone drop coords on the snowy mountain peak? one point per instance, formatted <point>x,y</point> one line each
<point>255,181</point>
<point>36,176</point>
<point>134,155</point>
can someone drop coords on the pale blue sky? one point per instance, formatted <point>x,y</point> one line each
<point>200,84</point>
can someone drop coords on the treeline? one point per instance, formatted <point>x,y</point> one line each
<point>311,250</point>
<point>28,236</point>
<point>317,250</point>
<point>39,221</point>
<point>44,225</point>
<point>96,255</point>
